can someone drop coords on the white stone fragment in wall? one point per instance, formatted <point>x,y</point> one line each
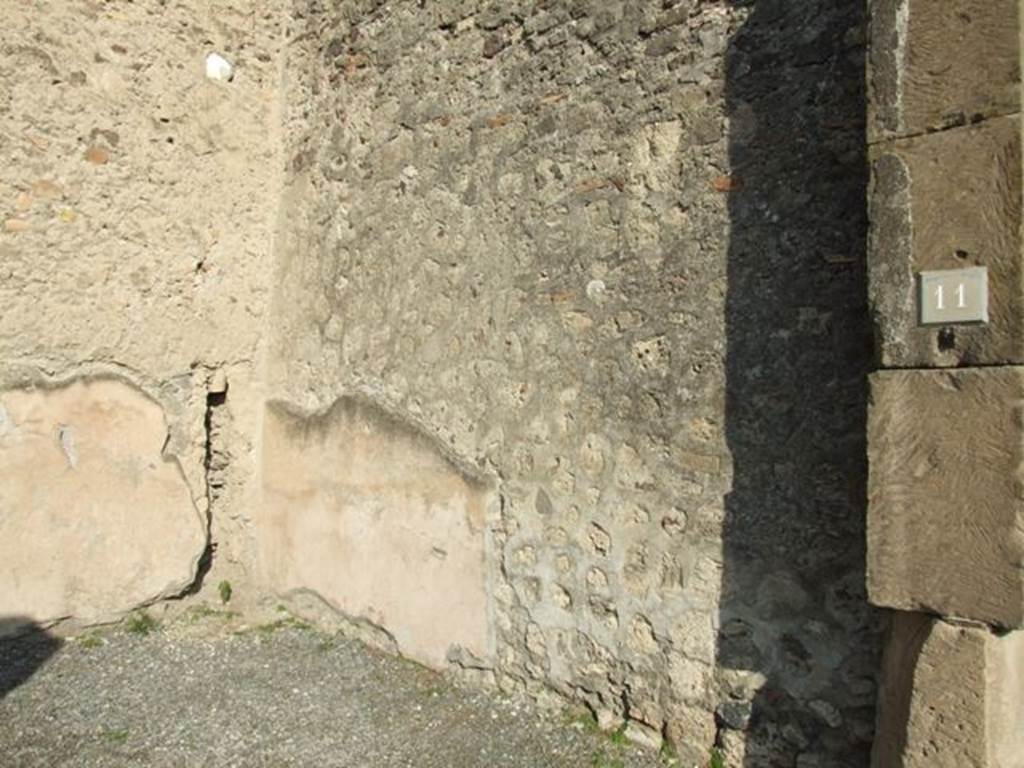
<point>219,68</point>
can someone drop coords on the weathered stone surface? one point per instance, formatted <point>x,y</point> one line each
<point>933,65</point>
<point>94,518</point>
<point>951,696</point>
<point>139,201</point>
<point>947,201</point>
<point>608,249</point>
<point>945,507</point>
<point>147,192</point>
<point>369,514</point>
<point>615,256</point>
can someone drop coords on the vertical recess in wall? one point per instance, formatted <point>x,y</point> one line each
<point>794,621</point>
<point>215,463</point>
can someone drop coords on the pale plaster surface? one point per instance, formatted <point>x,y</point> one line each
<point>137,210</point>
<point>94,518</point>
<point>367,513</point>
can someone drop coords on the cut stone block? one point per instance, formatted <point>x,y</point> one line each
<point>947,201</point>
<point>370,515</point>
<point>94,519</point>
<point>933,64</point>
<point>951,696</point>
<point>945,508</point>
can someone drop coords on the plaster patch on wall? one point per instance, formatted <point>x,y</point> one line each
<point>94,519</point>
<point>357,507</point>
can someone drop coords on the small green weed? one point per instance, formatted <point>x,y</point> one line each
<point>203,611</point>
<point>603,760</point>
<point>115,735</point>
<point>141,623</point>
<point>668,753</point>
<point>224,590</point>
<point>197,612</point>
<point>583,720</point>
<point>294,623</point>
<point>618,736</point>
<point>717,761</point>
<point>90,640</point>
<point>288,622</point>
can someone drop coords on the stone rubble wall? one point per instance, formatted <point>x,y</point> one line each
<point>610,255</point>
<point>946,513</point>
<point>524,338</point>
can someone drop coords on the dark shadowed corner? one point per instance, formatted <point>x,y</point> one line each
<point>24,648</point>
<point>797,647</point>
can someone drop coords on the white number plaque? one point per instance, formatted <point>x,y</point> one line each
<point>952,296</point>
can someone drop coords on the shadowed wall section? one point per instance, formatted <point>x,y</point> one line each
<point>793,613</point>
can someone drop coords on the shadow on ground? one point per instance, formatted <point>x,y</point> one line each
<point>24,648</point>
<point>794,614</point>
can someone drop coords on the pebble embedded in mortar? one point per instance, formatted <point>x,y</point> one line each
<point>219,68</point>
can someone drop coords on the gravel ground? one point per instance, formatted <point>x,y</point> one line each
<point>200,692</point>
